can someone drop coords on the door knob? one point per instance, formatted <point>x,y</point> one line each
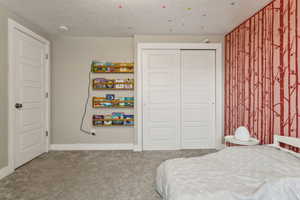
<point>18,105</point>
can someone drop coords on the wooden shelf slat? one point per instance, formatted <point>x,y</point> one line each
<point>116,66</point>
<point>129,120</point>
<point>113,106</point>
<point>113,88</point>
<point>113,125</point>
<point>112,101</point>
<point>104,72</point>
<point>116,83</point>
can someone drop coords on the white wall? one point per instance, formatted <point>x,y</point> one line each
<point>72,57</point>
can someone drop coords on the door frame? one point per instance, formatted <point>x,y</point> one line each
<point>13,26</point>
<point>219,114</point>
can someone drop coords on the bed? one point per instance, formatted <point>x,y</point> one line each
<point>236,173</point>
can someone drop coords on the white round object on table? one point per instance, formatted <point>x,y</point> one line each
<point>242,134</point>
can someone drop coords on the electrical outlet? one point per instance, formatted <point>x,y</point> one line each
<point>93,131</point>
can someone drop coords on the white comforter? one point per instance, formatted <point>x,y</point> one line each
<point>237,173</point>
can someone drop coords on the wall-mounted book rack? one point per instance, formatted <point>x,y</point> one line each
<point>114,119</point>
<point>103,102</point>
<point>110,101</point>
<point>109,67</point>
<point>113,84</point>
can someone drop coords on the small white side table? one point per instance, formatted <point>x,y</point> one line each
<point>232,140</point>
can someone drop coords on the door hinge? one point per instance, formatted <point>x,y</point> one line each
<point>47,95</point>
<point>47,133</point>
<point>47,56</point>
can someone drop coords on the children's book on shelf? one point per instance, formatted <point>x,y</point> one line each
<point>125,101</point>
<point>128,120</point>
<point>118,118</point>
<point>110,97</point>
<point>107,121</point>
<point>98,120</point>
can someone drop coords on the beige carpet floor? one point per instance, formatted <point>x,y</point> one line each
<point>89,175</point>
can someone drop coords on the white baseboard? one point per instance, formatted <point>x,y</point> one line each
<point>136,148</point>
<point>160,148</point>
<point>90,147</point>
<point>5,172</point>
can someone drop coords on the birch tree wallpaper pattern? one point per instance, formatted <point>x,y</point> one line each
<point>262,88</point>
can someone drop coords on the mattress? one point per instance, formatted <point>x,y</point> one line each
<point>236,173</point>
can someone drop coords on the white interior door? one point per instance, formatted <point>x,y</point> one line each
<point>198,98</point>
<point>28,63</point>
<point>161,98</point>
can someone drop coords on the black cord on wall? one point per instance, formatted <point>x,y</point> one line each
<point>86,107</point>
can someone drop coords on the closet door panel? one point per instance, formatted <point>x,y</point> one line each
<point>198,97</point>
<point>196,126</point>
<point>161,98</point>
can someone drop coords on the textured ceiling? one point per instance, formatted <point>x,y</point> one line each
<point>129,17</point>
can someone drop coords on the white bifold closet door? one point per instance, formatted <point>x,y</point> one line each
<point>178,97</point>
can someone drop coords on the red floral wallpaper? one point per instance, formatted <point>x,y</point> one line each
<point>262,75</point>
